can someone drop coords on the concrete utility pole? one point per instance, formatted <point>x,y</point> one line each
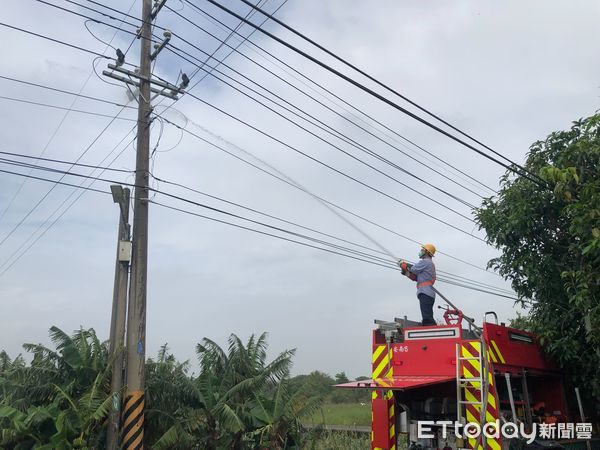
<point>119,313</point>
<point>132,429</point>
<point>133,409</point>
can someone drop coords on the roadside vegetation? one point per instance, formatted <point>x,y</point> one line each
<point>238,399</point>
<point>548,232</point>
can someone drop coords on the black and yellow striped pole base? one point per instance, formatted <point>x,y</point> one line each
<point>132,434</point>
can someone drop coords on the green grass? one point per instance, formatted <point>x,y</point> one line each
<point>342,414</point>
<point>330,440</point>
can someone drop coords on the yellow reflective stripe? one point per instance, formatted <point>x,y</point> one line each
<point>378,351</point>
<point>467,374</point>
<point>380,368</point>
<point>493,444</point>
<point>492,355</point>
<point>374,395</point>
<point>471,417</point>
<point>473,362</point>
<point>498,352</point>
<point>491,400</point>
<point>392,431</point>
<point>471,398</point>
<point>382,382</point>
<point>476,346</point>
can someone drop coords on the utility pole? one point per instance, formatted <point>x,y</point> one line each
<point>132,429</point>
<point>119,313</point>
<point>133,409</point>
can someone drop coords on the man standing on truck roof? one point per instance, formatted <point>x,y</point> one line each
<point>423,272</point>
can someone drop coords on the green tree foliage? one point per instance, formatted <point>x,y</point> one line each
<point>238,400</point>
<point>550,244</point>
<point>341,378</point>
<point>60,400</point>
<point>322,385</point>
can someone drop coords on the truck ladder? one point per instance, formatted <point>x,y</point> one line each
<point>466,383</point>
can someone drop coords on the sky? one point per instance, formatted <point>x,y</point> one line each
<point>508,73</point>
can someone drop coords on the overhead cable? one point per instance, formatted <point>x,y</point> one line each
<point>512,168</point>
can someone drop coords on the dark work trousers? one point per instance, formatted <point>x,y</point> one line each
<point>426,309</point>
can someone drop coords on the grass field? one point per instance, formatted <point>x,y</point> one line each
<point>343,414</point>
<point>339,441</point>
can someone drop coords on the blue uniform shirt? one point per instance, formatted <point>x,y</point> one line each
<point>425,271</point>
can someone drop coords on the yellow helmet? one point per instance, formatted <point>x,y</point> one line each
<point>429,248</point>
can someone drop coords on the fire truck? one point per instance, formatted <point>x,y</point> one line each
<point>458,373</point>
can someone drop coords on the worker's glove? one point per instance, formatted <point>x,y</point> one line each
<point>404,267</point>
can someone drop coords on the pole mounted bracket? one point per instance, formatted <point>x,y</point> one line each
<point>168,90</point>
<point>158,4</point>
<point>158,47</point>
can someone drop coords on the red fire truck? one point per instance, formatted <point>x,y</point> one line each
<point>458,373</point>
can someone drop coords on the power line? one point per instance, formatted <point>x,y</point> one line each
<point>370,77</point>
<point>275,228</point>
<point>193,96</point>
<point>7,264</point>
<point>392,267</point>
<point>308,228</point>
<point>118,28</point>
<point>61,183</point>
<point>388,88</point>
<point>235,49</point>
<point>338,250</point>
<point>40,201</point>
<point>332,168</point>
<point>214,210</point>
<point>57,41</point>
<point>61,161</point>
<point>60,124</point>
<point>252,45</point>
<point>55,89</point>
<point>21,164</point>
<point>245,39</point>
<point>380,97</point>
<point>63,108</point>
<point>333,130</point>
<point>319,137</point>
<point>221,43</point>
<point>289,181</point>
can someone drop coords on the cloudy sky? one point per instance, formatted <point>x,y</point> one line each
<point>507,72</point>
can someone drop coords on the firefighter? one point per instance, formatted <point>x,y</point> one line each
<point>423,272</point>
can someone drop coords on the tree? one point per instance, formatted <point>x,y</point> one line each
<point>341,378</point>
<point>549,237</point>
<point>279,412</point>
<point>238,400</point>
<point>60,400</point>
